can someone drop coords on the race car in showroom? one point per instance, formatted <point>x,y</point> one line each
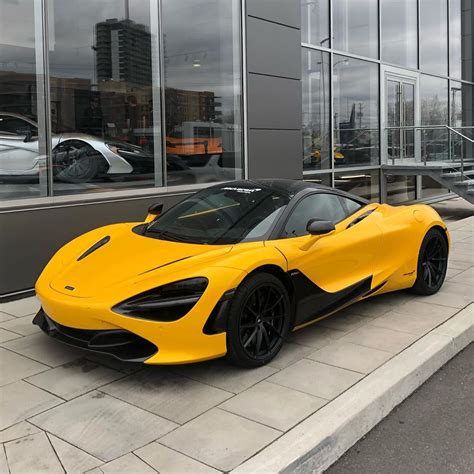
<point>233,269</point>
<point>77,157</point>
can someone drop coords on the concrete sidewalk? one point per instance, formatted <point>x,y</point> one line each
<point>65,410</point>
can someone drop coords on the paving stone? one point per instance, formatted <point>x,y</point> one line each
<point>417,324</point>
<point>370,308</point>
<point>220,374</point>
<point>74,378</point>
<point>380,338</point>
<point>18,431</point>
<point>73,459</point>
<point>31,454</point>
<point>419,308</point>
<point>113,363</point>
<point>315,336</point>
<point>22,326</point>
<point>102,425</point>
<point>273,405</point>
<point>448,298</point>
<point>320,380</point>
<point>393,298</point>
<point>3,460</point>
<point>7,335</point>
<point>126,464</point>
<point>168,461</point>
<point>351,356</point>
<point>20,400</point>
<point>289,354</point>
<point>15,367</point>
<point>44,349</point>
<point>344,321</point>
<point>5,317</point>
<point>459,264</point>
<point>466,277</point>
<point>220,439</point>
<point>166,394</point>
<point>22,307</point>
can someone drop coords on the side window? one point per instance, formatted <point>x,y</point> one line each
<point>326,207</point>
<point>350,205</point>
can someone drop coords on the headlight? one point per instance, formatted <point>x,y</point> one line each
<point>169,302</point>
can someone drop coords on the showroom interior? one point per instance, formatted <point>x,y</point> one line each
<point>107,107</point>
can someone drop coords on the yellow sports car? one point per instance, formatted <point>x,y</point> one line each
<point>232,269</point>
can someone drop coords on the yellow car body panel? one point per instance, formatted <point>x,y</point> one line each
<point>382,248</point>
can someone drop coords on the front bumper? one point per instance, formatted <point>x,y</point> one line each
<point>121,344</point>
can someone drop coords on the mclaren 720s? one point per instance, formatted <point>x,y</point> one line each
<point>233,269</point>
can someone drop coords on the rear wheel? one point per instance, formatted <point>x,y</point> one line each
<point>258,322</point>
<point>432,263</point>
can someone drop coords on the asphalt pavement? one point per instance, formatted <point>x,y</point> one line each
<point>432,431</point>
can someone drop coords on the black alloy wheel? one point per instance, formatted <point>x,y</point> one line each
<point>259,321</point>
<point>432,263</point>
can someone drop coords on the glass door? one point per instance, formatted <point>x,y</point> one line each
<point>400,110</point>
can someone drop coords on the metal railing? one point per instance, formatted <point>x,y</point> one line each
<point>435,145</point>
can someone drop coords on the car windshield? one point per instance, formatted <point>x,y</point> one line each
<point>225,215</point>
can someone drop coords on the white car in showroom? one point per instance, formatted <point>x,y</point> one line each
<point>77,157</point>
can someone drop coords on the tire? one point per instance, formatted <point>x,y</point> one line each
<point>432,264</point>
<point>85,166</point>
<point>258,322</point>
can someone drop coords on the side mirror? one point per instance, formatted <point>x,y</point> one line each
<point>319,227</point>
<point>154,211</point>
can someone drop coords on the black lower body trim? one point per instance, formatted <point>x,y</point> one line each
<point>118,343</point>
<point>313,302</point>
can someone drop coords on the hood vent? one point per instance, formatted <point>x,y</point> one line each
<point>94,247</point>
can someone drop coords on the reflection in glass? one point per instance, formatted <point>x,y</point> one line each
<point>21,149</point>
<point>460,39</point>
<point>356,27</point>
<point>316,110</point>
<point>400,188</point>
<point>462,118</point>
<point>434,36</point>
<point>102,100</point>
<point>202,95</point>
<point>434,111</point>
<point>364,183</point>
<point>431,188</point>
<point>356,112</point>
<point>315,22</point>
<point>399,32</point>
<point>324,179</point>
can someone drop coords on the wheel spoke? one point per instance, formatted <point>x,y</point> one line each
<point>265,336</point>
<point>275,303</point>
<point>250,338</point>
<point>258,344</point>
<point>270,326</point>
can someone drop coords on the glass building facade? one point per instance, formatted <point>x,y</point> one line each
<point>381,67</point>
<point>120,95</point>
<point>112,95</point>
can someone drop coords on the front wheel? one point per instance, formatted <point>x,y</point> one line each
<point>259,321</point>
<point>432,263</point>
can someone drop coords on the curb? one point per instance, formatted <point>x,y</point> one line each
<point>317,442</point>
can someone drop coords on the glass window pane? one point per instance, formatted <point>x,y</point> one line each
<point>356,112</point>
<point>431,188</point>
<point>364,183</point>
<point>400,188</point>
<point>326,207</point>
<point>356,27</point>
<point>399,32</point>
<point>316,107</point>
<point>434,36</point>
<point>104,95</point>
<point>434,111</point>
<point>22,147</point>
<point>324,179</point>
<point>460,38</point>
<point>462,118</point>
<point>202,95</point>
<point>315,22</point>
